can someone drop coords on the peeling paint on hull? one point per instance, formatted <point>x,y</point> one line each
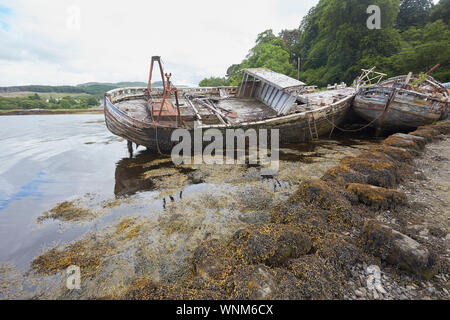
<point>407,110</point>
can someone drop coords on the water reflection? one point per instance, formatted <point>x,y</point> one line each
<point>30,189</point>
<point>129,175</point>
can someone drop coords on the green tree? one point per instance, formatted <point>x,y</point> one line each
<point>421,50</point>
<point>34,97</point>
<point>335,39</point>
<point>334,43</point>
<point>91,101</point>
<point>441,11</point>
<point>269,52</point>
<point>413,13</point>
<point>214,82</point>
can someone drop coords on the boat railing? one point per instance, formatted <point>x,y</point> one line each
<point>386,91</point>
<point>132,93</point>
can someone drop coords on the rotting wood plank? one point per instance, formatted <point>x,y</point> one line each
<point>218,114</point>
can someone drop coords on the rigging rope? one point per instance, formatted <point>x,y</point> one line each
<point>157,144</point>
<point>354,130</point>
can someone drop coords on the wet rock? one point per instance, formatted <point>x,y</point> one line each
<point>377,197</point>
<point>428,133</point>
<point>254,217</point>
<point>442,127</point>
<point>438,232</point>
<point>374,279</point>
<point>359,293</point>
<point>258,282</point>
<point>317,279</point>
<point>197,177</point>
<point>255,198</point>
<point>398,249</point>
<point>413,143</point>
<point>271,244</point>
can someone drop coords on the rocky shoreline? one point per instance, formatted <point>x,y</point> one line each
<point>368,229</point>
<point>344,219</point>
<point>47,112</point>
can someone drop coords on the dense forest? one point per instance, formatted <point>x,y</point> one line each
<point>333,43</point>
<point>35,101</point>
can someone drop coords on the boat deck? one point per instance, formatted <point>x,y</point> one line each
<point>230,110</point>
<point>235,110</point>
<point>247,110</point>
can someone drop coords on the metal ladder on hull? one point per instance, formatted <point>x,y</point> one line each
<point>313,128</point>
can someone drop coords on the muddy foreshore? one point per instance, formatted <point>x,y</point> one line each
<point>334,233</point>
<point>359,222</point>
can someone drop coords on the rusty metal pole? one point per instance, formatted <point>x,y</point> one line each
<point>432,69</point>
<point>149,86</point>
<point>166,91</point>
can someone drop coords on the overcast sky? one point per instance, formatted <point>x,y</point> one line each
<point>43,41</point>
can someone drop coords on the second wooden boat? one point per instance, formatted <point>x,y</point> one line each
<point>403,102</point>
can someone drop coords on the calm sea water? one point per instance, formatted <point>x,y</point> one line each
<point>44,160</point>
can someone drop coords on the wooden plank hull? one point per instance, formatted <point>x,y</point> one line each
<point>293,128</point>
<point>407,109</point>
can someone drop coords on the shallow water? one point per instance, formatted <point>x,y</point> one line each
<point>47,159</point>
<point>50,159</point>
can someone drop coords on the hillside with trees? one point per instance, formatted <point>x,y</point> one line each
<point>333,42</point>
<point>35,101</point>
<point>82,96</point>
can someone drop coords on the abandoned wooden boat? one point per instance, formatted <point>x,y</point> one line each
<point>263,100</point>
<point>403,102</point>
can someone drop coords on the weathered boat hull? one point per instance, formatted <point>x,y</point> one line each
<point>293,128</point>
<point>407,110</point>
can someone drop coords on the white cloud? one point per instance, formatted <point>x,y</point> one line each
<point>116,39</point>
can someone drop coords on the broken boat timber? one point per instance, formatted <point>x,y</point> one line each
<point>403,102</point>
<point>268,101</point>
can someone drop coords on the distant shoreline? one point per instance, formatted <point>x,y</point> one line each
<point>49,112</point>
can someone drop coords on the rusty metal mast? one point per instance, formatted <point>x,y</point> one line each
<point>157,105</point>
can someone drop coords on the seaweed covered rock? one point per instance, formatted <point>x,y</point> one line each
<point>400,155</point>
<point>318,280</point>
<point>295,213</point>
<point>83,253</point>
<point>398,249</point>
<point>258,282</point>
<point>144,289</point>
<point>271,244</point>
<point>443,127</point>
<point>323,195</point>
<point>68,211</point>
<point>377,197</point>
<point>212,262</point>
<point>342,175</point>
<point>379,169</point>
<point>428,133</point>
<point>339,253</point>
<point>413,143</point>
